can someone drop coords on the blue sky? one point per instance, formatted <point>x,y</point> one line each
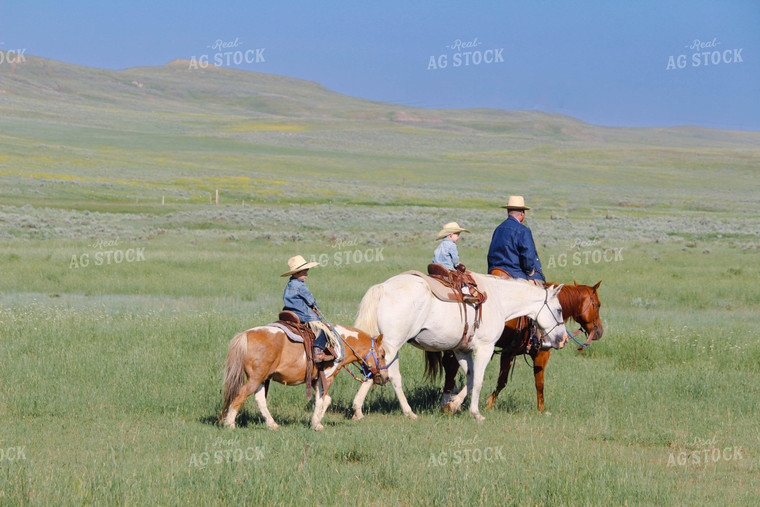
<point>605,62</point>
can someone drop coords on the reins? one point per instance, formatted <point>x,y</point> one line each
<point>582,345</point>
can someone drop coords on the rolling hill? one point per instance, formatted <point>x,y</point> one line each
<point>72,134</point>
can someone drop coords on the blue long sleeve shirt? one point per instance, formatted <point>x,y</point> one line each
<point>298,299</point>
<point>513,250</point>
<point>447,254</point>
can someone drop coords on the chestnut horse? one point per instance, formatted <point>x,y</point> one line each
<point>581,302</point>
<point>265,353</point>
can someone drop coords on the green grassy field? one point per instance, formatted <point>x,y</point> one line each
<point>111,372</point>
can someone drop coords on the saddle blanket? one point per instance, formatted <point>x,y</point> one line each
<point>290,334</point>
<point>439,290</point>
<point>294,337</point>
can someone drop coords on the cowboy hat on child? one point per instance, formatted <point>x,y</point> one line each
<point>450,228</point>
<point>297,264</point>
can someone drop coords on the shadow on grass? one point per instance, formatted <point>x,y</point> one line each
<point>422,399</point>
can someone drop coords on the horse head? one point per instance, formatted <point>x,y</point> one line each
<point>379,369</point>
<point>370,355</point>
<point>588,314</point>
<point>550,321</point>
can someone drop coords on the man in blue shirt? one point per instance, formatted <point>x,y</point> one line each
<point>512,251</point>
<point>298,299</point>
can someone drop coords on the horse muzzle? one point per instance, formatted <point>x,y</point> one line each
<point>380,377</point>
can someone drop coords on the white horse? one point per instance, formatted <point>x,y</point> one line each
<point>404,310</point>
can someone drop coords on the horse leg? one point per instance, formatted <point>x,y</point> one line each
<point>539,367</point>
<point>321,403</point>
<point>450,368</point>
<point>480,359</point>
<point>394,375</point>
<point>359,400</point>
<point>326,400</point>
<point>455,402</point>
<point>248,389</point>
<point>261,400</point>
<point>505,367</point>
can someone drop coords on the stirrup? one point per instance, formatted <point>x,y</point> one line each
<point>320,356</point>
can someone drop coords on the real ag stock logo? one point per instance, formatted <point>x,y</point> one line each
<point>464,54</point>
<point>13,56</point>
<point>704,54</point>
<point>226,54</point>
<point>106,253</point>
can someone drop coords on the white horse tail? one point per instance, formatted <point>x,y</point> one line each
<point>234,372</point>
<point>366,318</point>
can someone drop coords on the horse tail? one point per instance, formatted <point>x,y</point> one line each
<point>433,365</point>
<point>366,318</point>
<point>234,372</point>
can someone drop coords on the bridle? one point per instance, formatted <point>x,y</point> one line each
<point>557,323</point>
<point>595,306</point>
<point>368,371</point>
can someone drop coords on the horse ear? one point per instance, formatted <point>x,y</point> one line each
<point>576,283</point>
<point>557,288</point>
<point>379,338</point>
<point>597,285</point>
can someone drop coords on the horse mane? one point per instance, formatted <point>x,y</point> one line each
<point>571,298</point>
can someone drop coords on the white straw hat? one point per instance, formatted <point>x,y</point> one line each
<point>450,228</point>
<point>516,202</point>
<point>298,263</point>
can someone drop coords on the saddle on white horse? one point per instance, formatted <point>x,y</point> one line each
<point>448,285</point>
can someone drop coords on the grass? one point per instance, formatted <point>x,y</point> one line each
<point>110,372</point>
<point>112,385</point>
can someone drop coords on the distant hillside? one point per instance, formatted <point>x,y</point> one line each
<point>183,131</point>
<point>56,90</point>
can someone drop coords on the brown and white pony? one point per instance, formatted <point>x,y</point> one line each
<point>579,302</point>
<point>265,353</point>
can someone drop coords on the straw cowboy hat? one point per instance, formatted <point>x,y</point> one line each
<point>516,202</point>
<point>298,263</point>
<point>450,228</point>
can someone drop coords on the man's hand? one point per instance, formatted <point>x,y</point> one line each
<point>461,268</point>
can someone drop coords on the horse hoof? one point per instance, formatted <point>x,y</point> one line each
<point>547,412</point>
<point>273,427</point>
<point>412,416</point>
<point>479,418</point>
<point>490,402</point>
<point>449,408</point>
<point>319,427</point>
<point>358,417</point>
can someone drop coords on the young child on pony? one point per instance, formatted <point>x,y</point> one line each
<point>298,299</point>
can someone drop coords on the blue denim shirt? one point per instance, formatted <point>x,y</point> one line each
<point>298,299</point>
<point>447,253</point>
<point>512,249</point>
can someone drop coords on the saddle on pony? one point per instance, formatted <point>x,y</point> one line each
<point>293,324</point>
